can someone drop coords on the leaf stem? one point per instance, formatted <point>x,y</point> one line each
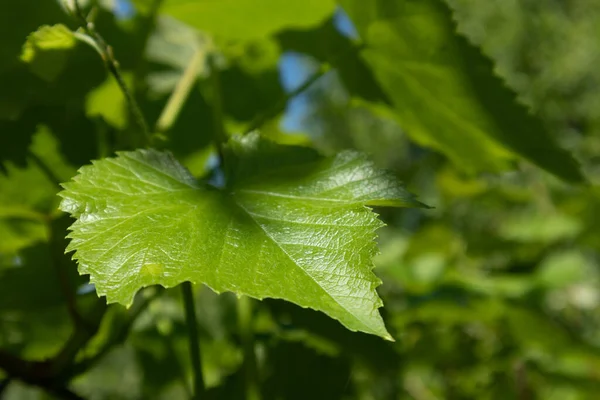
<point>244,310</point>
<point>177,99</point>
<point>106,52</point>
<point>194,343</point>
<point>280,105</point>
<point>41,164</point>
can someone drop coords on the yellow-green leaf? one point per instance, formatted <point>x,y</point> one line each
<point>46,50</point>
<point>290,224</point>
<point>247,19</point>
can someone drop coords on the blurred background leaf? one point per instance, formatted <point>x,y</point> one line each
<point>492,294</point>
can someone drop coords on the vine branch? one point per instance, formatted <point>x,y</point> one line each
<point>323,69</point>
<point>180,94</point>
<point>46,170</point>
<point>280,105</point>
<point>107,55</point>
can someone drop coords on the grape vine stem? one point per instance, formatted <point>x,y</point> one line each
<point>182,90</point>
<point>280,105</point>
<point>107,54</point>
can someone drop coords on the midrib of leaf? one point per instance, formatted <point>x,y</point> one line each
<point>307,223</point>
<point>296,264</point>
<point>330,172</point>
<point>293,197</point>
<point>351,183</point>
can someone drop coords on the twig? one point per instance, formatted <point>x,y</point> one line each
<point>323,69</point>
<point>194,343</point>
<point>280,105</point>
<point>41,164</point>
<point>106,52</point>
<point>177,99</point>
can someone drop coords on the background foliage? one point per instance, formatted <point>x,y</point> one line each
<point>492,294</point>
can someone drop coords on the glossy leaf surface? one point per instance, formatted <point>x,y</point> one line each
<point>291,225</point>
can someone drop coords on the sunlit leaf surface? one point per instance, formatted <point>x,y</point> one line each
<point>290,225</point>
<point>245,19</point>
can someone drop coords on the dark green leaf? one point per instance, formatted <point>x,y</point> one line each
<point>445,91</point>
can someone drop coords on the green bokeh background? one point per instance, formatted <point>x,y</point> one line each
<point>491,294</point>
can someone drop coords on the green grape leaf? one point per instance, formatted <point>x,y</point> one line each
<point>290,224</point>
<point>445,92</point>
<point>248,19</point>
<point>47,49</point>
<point>18,19</point>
